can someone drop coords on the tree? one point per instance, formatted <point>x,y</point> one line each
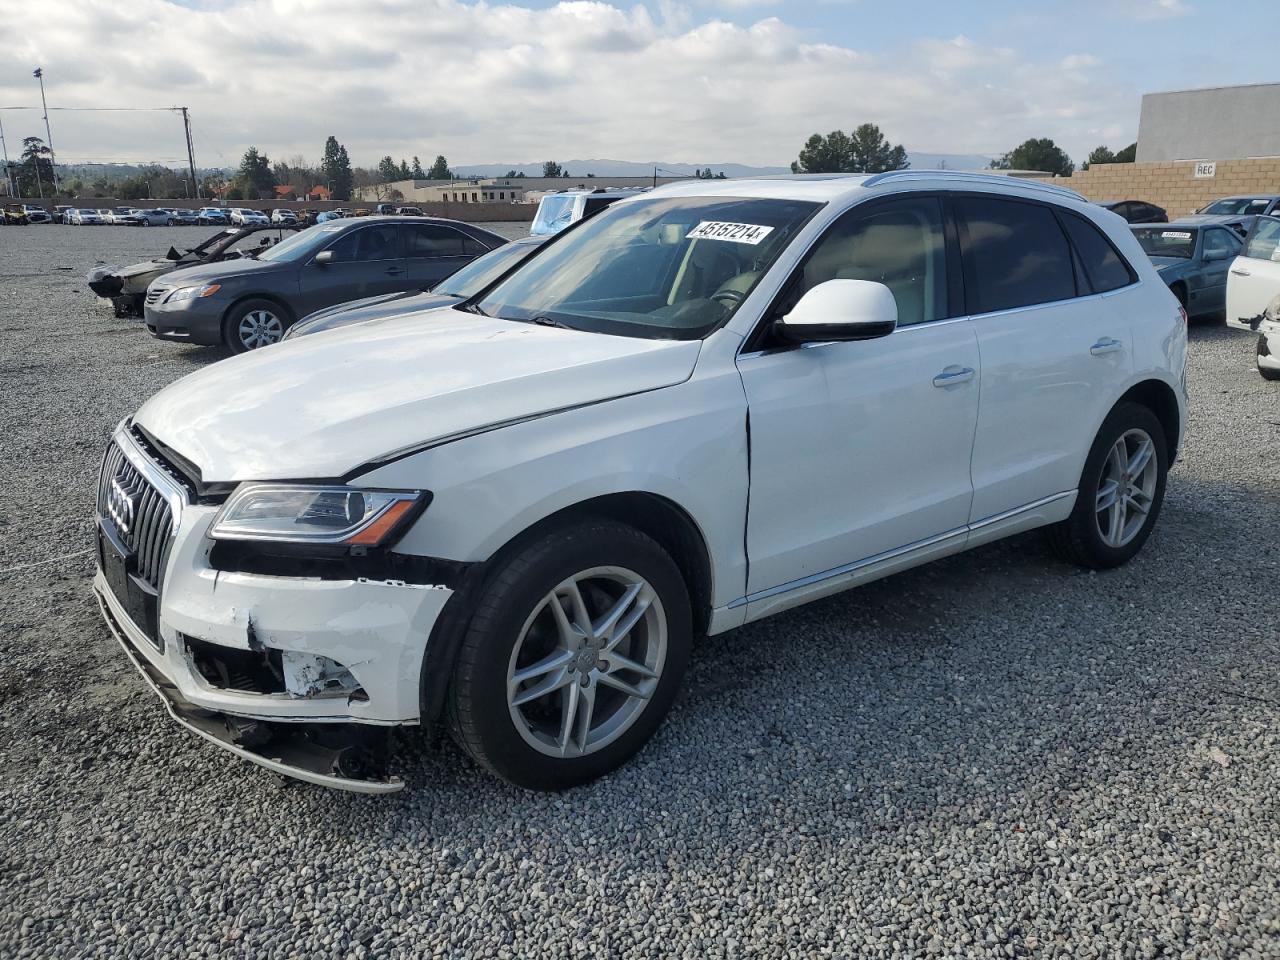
<point>416,172</point>
<point>553,169</point>
<point>335,169</point>
<point>254,179</point>
<point>34,170</point>
<point>440,170</point>
<point>387,170</point>
<point>1043,155</point>
<point>1099,155</point>
<point>1128,155</point>
<point>864,151</point>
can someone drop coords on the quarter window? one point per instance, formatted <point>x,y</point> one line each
<point>899,243</point>
<point>1015,254</point>
<point>1104,268</point>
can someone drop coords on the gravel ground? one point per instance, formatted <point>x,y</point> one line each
<point>994,756</point>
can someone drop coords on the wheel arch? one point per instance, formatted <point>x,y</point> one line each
<point>243,298</point>
<point>1158,397</point>
<point>658,517</point>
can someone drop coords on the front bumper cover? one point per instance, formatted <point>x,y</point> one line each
<point>349,757</point>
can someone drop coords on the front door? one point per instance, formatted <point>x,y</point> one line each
<point>862,448</point>
<point>1253,280</point>
<point>367,261</point>
<point>1221,246</point>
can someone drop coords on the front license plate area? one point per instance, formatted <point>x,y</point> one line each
<point>138,599</point>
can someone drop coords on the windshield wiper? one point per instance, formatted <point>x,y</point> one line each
<point>548,322</point>
<point>473,308</point>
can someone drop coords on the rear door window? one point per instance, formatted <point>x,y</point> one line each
<point>1015,254</point>
<point>426,241</point>
<point>1104,268</point>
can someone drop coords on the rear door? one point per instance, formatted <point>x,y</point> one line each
<point>434,251</point>
<point>1055,349</point>
<point>1253,279</point>
<point>367,261</point>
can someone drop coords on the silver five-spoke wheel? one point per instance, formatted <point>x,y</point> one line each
<point>259,328</point>
<point>1127,488</point>
<point>587,661</point>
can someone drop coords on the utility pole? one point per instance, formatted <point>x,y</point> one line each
<point>4,147</point>
<point>38,73</point>
<point>191,152</point>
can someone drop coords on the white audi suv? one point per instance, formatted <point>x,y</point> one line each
<point>705,405</point>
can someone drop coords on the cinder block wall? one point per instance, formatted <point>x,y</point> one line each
<point>1173,185</point>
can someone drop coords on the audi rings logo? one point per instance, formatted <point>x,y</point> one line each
<point>121,506</point>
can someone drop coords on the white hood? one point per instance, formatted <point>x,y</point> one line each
<point>324,405</point>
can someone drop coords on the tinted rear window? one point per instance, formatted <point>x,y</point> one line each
<point>1016,255</point>
<point>1104,268</point>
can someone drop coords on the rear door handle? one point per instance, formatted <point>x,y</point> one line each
<point>394,271</point>
<point>1242,273</point>
<point>953,375</point>
<point>1106,345</point>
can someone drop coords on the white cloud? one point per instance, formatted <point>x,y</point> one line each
<point>502,82</point>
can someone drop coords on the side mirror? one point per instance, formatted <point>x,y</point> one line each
<point>1219,253</point>
<point>323,258</point>
<point>841,310</point>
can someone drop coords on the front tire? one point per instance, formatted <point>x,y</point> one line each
<point>572,657</point>
<point>254,324</point>
<point>1120,494</point>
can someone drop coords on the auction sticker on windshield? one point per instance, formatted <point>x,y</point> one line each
<point>733,232</point>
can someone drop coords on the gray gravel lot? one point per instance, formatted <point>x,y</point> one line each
<point>994,756</point>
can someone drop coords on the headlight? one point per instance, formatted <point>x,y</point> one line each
<point>323,515</point>
<point>193,293</point>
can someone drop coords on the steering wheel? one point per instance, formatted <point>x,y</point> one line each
<point>729,298</point>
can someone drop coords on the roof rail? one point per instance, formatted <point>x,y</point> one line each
<point>967,176</point>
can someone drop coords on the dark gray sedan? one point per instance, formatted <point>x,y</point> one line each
<point>250,303</point>
<point>1193,257</point>
<point>463,285</point>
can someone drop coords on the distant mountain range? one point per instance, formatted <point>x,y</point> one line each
<point>667,168</point>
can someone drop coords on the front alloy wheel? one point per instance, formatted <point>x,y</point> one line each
<point>255,324</point>
<point>587,661</point>
<point>572,655</point>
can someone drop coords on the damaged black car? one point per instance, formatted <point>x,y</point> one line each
<point>126,287</point>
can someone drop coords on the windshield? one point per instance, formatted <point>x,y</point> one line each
<point>302,245</point>
<point>1234,206</point>
<point>1162,242</point>
<point>483,270</point>
<point>554,214</point>
<point>670,268</point>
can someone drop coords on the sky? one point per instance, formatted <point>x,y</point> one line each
<point>699,81</point>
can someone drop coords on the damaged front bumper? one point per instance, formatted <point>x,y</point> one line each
<point>301,675</point>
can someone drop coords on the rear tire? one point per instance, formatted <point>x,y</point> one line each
<point>1120,494</point>
<point>545,693</point>
<point>254,324</point>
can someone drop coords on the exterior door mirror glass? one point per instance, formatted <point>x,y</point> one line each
<point>841,310</point>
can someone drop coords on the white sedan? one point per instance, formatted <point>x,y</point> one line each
<point>1253,293</point>
<point>83,217</point>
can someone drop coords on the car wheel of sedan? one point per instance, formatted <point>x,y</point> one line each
<point>1120,493</point>
<point>572,657</point>
<point>254,324</point>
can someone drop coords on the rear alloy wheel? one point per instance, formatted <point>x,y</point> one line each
<point>1120,493</point>
<point>573,656</point>
<point>254,324</point>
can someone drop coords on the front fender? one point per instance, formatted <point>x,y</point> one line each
<point>686,443</point>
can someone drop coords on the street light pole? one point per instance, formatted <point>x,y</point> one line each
<point>4,147</point>
<point>53,161</point>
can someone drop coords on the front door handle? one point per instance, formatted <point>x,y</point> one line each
<point>1106,345</point>
<point>953,375</point>
<point>1242,273</point>
<point>394,271</point>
